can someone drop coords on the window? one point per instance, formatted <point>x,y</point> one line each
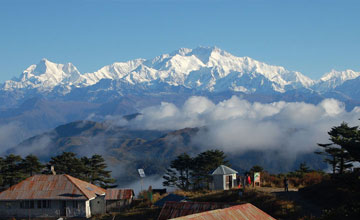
<point>31,204</point>
<point>47,204</point>
<point>8,205</point>
<point>26,204</point>
<point>75,204</point>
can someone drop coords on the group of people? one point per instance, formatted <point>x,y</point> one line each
<point>244,181</point>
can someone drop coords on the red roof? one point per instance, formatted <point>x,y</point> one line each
<point>52,187</point>
<point>119,194</point>
<point>177,209</point>
<point>239,212</point>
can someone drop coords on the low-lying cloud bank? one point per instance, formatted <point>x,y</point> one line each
<point>236,125</point>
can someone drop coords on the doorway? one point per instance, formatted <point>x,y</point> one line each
<point>63,208</point>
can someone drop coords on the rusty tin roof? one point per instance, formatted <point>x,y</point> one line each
<point>177,209</point>
<point>119,194</point>
<point>240,212</point>
<point>52,187</point>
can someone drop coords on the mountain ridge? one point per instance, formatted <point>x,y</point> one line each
<point>197,68</point>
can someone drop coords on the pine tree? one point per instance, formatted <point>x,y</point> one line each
<point>11,170</point>
<point>332,155</point>
<point>185,171</point>
<point>67,163</point>
<point>343,137</point>
<point>96,173</point>
<point>31,165</point>
<point>204,163</point>
<point>179,172</point>
<point>348,138</point>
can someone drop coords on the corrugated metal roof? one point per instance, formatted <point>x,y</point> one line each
<point>52,187</point>
<point>118,194</point>
<point>239,212</point>
<point>177,209</point>
<point>223,170</point>
<point>170,198</point>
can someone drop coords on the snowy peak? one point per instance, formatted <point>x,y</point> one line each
<point>45,75</point>
<point>114,71</point>
<point>334,79</point>
<point>340,75</point>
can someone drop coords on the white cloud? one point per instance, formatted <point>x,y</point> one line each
<point>237,125</point>
<point>11,134</point>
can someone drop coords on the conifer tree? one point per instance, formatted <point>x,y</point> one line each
<point>179,172</point>
<point>343,138</point>
<point>96,173</point>
<point>67,163</point>
<point>204,163</point>
<point>11,170</point>
<point>31,165</point>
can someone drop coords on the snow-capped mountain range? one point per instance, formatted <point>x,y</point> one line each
<point>202,69</point>
<point>48,94</point>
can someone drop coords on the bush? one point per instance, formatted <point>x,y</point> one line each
<point>312,178</point>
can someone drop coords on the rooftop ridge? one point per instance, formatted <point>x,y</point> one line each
<point>71,179</point>
<point>79,188</point>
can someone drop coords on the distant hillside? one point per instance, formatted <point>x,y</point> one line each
<point>127,150</point>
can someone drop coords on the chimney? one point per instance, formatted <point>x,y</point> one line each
<point>53,170</point>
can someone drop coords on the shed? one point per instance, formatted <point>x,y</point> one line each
<point>240,212</point>
<point>52,196</point>
<point>118,199</point>
<point>223,178</point>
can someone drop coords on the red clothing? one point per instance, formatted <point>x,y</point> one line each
<point>249,180</point>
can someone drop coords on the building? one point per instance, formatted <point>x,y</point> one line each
<point>52,196</point>
<point>170,198</point>
<point>223,178</point>
<point>239,212</point>
<point>118,199</point>
<point>177,209</point>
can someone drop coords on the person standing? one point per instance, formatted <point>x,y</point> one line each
<point>249,179</point>
<point>286,184</point>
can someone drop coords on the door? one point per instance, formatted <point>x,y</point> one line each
<point>228,180</point>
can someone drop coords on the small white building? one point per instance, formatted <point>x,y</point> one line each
<point>52,196</point>
<point>224,178</point>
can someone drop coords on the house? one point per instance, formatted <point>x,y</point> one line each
<point>239,212</point>
<point>52,196</point>
<point>118,199</point>
<point>177,209</point>
<point>223,178</point>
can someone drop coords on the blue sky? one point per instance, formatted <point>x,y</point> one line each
<point>309,36</point>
